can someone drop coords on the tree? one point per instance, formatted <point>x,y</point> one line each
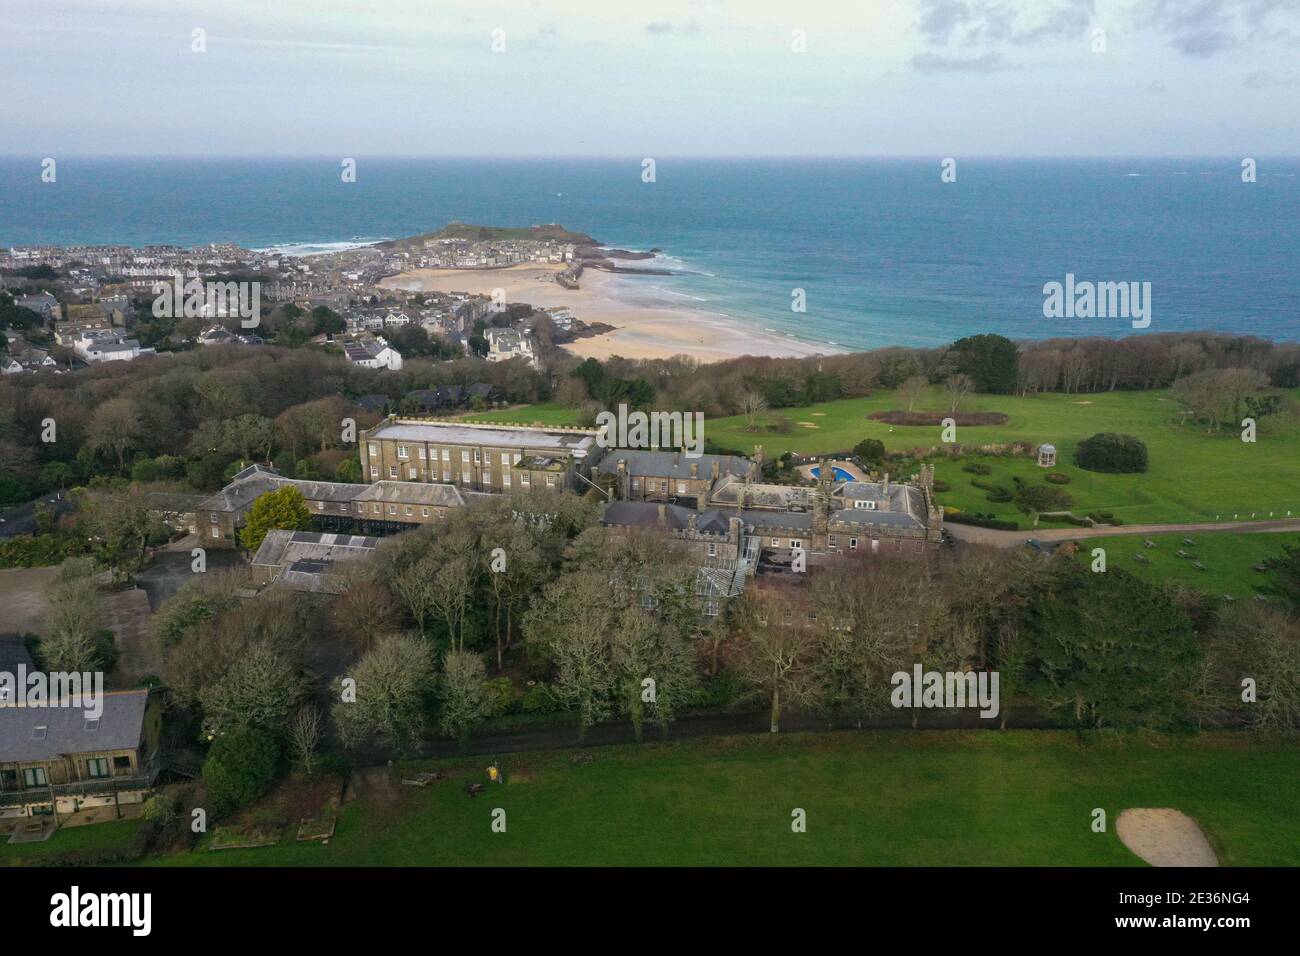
<point>1221,395</point>
<point>260,689</point>
<point>71,631</point>
<point>240,768</point>
<point>1264,644</point>
<point>463,694</point>
<point>1037,499</point>
<point>305,736</point>
<point>114,428</point>
<point>284,509</point>
<point>1107,650</point>
<point>958,387</point>
<point>251,435</point>
<point>1285,583</point>
<point>1111,452</point>
<point>912,389</point>
<point>991,361</point>
<point>393,681</point>
<point>752,405</point>
<point>777,655</point>
<point>653,667</point>
<point>121,526</point>
<point>870,451</point>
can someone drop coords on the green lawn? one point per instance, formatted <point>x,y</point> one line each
<point>1229,559</point>
<point>887,798</point>
<point>547,413</point>
<point>114,835</point>
<point>1193,476</point>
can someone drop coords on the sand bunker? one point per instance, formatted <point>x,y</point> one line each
<point>1164,837</point>
<point>808,425</point>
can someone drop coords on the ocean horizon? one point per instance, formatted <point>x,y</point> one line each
<point>886,253</point>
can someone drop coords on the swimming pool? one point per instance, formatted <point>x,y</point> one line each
<point>840,473</point>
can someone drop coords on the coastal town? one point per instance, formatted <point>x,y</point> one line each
<point>70,307</point>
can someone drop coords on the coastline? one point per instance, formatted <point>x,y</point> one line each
<point>640,331</point>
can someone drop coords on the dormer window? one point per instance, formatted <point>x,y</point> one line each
<point>40,732</point>
<point>865,505</point>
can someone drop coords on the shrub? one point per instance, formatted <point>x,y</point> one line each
<point>1038,498</point>
<point>975,468</point>
<point>239,769</point>
<point>983,521</point>
<point>942,486</point>
<point>870,451</point>
<point>996,493</point>
<point>538,699</point>
<point>1112,453</point>
<point>502,696</point>
<point>1056,478</point>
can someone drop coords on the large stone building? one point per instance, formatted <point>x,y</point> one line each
<point>670,476</point>
<point>487,458</point>
<point>379,508</point>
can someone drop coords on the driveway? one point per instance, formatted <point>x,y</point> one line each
<point>1015,539</point>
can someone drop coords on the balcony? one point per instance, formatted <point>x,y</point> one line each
<point>99,787</point>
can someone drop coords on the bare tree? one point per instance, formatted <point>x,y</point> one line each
<point>305,736</point>
<point>911,390</point>
<point>752,405</point>
<point>958,387</point>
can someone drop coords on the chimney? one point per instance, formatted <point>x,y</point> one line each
<point>690,522</point>
<point>886,489</point>
<point>717,469</point>
<point>695,469</point>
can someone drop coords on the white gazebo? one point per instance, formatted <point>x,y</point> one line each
<point>1046,456</point>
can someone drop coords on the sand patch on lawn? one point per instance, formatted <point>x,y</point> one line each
<point>817,414</point>
<point>1164,837</point>
<point>808,425</point>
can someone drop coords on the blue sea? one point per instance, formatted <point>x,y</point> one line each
<point>886,253</point>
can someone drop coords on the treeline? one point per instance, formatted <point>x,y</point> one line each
<point>990,364</point>
<point>195,417</point>
<point>572,616</point>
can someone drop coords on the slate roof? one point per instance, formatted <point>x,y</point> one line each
<point>69,732</point>
<point>12,653</point>
<point>667,464</point>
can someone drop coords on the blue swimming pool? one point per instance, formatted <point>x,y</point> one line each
<point>840,473</point>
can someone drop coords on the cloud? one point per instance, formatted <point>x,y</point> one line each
<point>988,22</point>
<point>665,28</point>
<point>939,63</point>
<point>1206,28</point>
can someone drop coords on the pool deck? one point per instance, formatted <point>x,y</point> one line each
<point>846,466</point>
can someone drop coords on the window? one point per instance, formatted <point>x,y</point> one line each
<point>424,512</point>
<point>550,481</point>
<point>421,453</point>
<point>40,732</point>
<point>374,509</point>
<point>776,542</point>
<point>464,456</point>
<point>476,456</point>
<point>374,450</point>
<point>918,546</point>
<point>401,451</point>
<point>710,608</point>
<point>524,479</point>
<point>374,473</point>
<point>517,457</point>
<point>865,505</point>
<point>794,542</point>
<point>97,767</point>
<point>713,550</point>
<point>505,459</point>
<point>34,777</point>
<point>833,541</point>
<point>122,763</point>
<point>216,532</point>
<point>392,509</point>
<point>446,454</point>
<point>505,479</point>
<point>392,471</point>
<point>636,484</point>
<point>853,544</point>
<point>412,472</point>
<point>408,511</point>
<point>320,506</point>
<point>681,487</point>
<point>212,518</point>
<point>446,475</point>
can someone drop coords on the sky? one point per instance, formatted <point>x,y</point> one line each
<point>656,78</point>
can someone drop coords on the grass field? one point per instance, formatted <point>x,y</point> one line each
<point>1193,476</point>
<point>114,835</point>
<point>930,798</point>
<point>1229,559</point>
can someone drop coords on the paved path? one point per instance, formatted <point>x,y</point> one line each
<point>1014,539</point>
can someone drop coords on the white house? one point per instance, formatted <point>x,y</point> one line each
<point>106,346</point>
<point>373,353</point>
<point>505,344</point>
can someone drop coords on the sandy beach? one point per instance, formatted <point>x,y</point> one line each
<point>639,332</point>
